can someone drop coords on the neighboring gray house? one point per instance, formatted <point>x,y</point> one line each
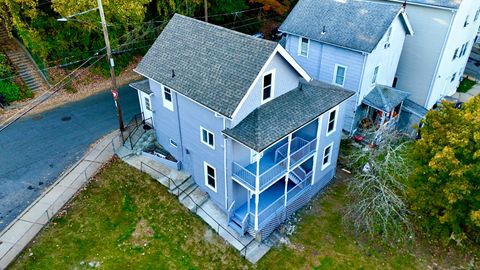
<point>433,61</point>
<point>354,44</point>
<point>244,119</point>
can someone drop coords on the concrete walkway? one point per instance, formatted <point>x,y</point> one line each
<point>464,97</point>
<point>16,236</point>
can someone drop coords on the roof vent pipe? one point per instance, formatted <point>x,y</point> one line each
<point>323,31</point>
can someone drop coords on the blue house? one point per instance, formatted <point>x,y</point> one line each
<point>243,118</point>
<point>355,44</point>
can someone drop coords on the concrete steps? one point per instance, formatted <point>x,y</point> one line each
<point>25,67</point>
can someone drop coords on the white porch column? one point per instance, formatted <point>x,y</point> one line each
<point>288,168</point>
<point>257,191</point>
<point>319,152</point>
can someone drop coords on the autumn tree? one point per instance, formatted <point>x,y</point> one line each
<point>281,7</point>
<point>445,186</point>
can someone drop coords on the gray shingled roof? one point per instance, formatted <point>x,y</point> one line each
<point>212,65</point>
<point>414,108</point>
<point>385,98</point>
<point>453,4</point>
<point>283,115</point>
<point>358,25</point>
<point>143,86</point>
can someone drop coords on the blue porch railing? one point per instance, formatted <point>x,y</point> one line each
<point>299,151</point>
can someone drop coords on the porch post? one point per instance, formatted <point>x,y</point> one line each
<point>257,191</point>
<point>288,168</point>
<point>319,131</point>
<point>248,201</point>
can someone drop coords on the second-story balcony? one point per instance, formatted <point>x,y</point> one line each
<point>273,165</point>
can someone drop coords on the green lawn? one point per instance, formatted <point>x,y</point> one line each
<point>126,220</point>
<point>465,85</point>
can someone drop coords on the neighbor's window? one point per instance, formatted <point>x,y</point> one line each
<point>207,137</point>
<point>167,98</point>
<point>389,35</point>
<point>339,77</point>
<point>455,55</point>
<point>304,44</point>
<point>464,49</point>
<point>332,121</point>
<point>453,77</point>
<point>210,177</point>
<point>466,21</point>
<point>327,156</point>
<point>375,75</point>
<point>147,104</point>
<point>267,92</point>
<point>477,15</point>
<point>173,143</point>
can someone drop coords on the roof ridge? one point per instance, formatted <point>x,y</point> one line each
<point>225,29</point>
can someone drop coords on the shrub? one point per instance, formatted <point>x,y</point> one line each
<point>5,70</point>
<point>10,90</point>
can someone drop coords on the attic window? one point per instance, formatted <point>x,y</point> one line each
<point>389,35</point>
<point>267,87</point>
<point>167,98</point>
<point>303,47</point>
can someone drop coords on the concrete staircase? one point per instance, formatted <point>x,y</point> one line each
<point>23,63</point>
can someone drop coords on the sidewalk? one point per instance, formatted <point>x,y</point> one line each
<point>15,237</point>
<point>464,97</point>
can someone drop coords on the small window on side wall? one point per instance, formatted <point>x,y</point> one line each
<point>147,103</point>
<point>267,87</point>
<point>375,75</point>
<point>332,121</point>
<point>207,137</point>
<point>303,47</point>
<point>339,76</point>
<point>167,98</point>
<point>327,156</point>
<point>210,177</point>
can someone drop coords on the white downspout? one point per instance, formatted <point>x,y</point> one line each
<point>225,163</point>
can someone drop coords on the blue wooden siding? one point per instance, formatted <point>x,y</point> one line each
<point>186,120</point>
<point>286,79</point>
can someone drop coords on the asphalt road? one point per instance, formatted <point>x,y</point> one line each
<point>35,150</point>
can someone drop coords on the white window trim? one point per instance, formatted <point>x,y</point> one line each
<point>173,143</point>
<point>272,91</point>
<point>300,46</point>
<point>335,120</point>
<point>335,75</point>
<point>167,104</point>
<point>329,156</point>
<point>205,165</point>
<point>201,137</point>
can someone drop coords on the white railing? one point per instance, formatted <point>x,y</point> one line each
<point>264,215</point>
<point>300,154</point>
<point>244,175</point>
<point>273,173</point>
<point>230,209</point>
<point>299,189</point>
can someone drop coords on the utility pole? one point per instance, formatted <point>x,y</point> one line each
<point>111,64</point>
<point>205,4</point>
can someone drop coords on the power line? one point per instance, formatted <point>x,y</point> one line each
<point>44,97</point>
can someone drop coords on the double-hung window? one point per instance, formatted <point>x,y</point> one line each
<point>167,98</point>
<point>339,75</point>
<point>477,15</point>
<point>455,55</point>
<point>207,137</point>
<point>303,47</point>
<point>375,75</point>
<point>332,121</point>
<point>210,176</point>
<point>453,77</point>
<point>327,156</point>
<point>267,87</point>
<point>147,104</point>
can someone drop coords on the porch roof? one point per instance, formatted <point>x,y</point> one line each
<point>385,98</point>
<point>143,86</point>
<point>283,115</point>
<point>414,108</point>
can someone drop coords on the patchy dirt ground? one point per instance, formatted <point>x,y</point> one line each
<point>85,85</point>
